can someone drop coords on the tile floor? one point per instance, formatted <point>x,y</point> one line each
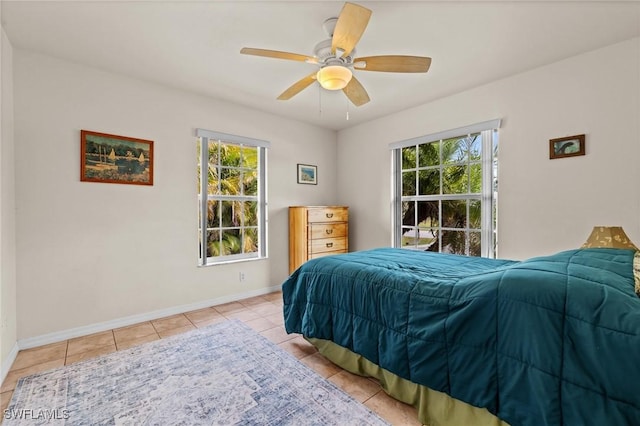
<point>262,313</point>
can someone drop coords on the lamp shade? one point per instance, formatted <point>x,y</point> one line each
<point>334,77</point>
<point>609,237</point>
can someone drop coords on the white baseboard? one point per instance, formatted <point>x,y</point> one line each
<point>8,362</point>
<point>60,336</point>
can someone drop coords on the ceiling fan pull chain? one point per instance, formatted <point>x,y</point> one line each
<point>347,109</point>
<point>319,101</point>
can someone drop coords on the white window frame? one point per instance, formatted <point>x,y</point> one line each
<point>205,137</point>
<point>489,131</point>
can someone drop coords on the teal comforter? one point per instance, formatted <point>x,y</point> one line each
<point>548,341</point>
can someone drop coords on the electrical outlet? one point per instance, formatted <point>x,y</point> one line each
<point>241,277</point>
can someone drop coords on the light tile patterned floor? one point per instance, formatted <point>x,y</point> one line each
<point>262,313</point>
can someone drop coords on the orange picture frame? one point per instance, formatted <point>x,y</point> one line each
<point>110,158</point>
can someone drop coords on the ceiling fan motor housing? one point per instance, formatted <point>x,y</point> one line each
<point>322,51</point>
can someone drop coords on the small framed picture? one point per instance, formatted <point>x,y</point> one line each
<point>566,147</point>
<point>307,174</point>
<point>115,159</point>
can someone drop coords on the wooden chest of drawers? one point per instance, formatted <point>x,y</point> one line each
<point>316,231</point>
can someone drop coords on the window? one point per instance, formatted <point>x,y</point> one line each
<point>445,191</point>
<point>232,211</point>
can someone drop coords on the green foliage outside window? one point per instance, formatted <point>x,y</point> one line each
<point>232,206</point>
<point>449,167</point>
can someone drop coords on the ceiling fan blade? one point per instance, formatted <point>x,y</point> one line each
<point>393,63</point>
<point>276,54</point>
<point>298,87</point>
<point>356,93</point>
<point>351,24</point>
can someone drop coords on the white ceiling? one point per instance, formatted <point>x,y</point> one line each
<point>195,45</point>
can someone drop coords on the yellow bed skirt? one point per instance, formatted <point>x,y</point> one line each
<point>434,408</point>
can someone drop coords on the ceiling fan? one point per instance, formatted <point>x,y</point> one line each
<point>336,57</point>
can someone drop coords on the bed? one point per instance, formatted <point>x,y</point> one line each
<point>552,340</point>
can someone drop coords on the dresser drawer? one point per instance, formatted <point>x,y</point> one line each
<point>327,244</point>
<point>327,230</point>
<point>327,214</point>
<point>326,253</point>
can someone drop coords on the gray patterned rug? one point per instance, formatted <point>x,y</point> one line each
<point>224,374</point>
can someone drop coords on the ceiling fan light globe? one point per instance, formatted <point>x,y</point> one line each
<point>334,77</point>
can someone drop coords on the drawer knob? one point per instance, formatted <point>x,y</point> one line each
<point>329,231</point>
<point>329,244</point>
<point>329,215</point>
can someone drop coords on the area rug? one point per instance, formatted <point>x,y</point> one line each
<point>223,374</point>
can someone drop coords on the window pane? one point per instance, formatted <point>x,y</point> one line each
<point>454,150</point>
<point>475,214</point>
<point>408,183</point>
<point>214,171</point>
<point>229,181</point>
<point>213,214</point>
<point>474,244</point>
<point>454,242</point>
<point>250,240</point>
<point>428,215</point>
<point>231,242</point>
<point>454,214</point>
<point>429,154</point>
<point>420,239</point>
<point>409,157</point>
<point>475,147</point>
<point>250,213</point>
<point>427,237</point>
<point>250,182</point>
<point>231,213</point>
<point>409,237</point>
<point>213,243</point>
<point>408,212</point>
<point>213,180</point>
<point>213,152</point>
<point>475,178</point>
<point>429,182</point>
<point>230,155</point>
<point>455,180</point>
<point>250,157</point>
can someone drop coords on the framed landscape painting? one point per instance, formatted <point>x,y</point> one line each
<point>307,174</point>
<point>115,159</point>
<point>569,146</point>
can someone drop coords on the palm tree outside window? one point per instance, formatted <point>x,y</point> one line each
<point>232,212</point>
<point>445,191</point>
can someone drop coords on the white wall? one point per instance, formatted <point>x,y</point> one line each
<point>544,205</point>
<point>91,252</point>
<point>8,317</point>
<point>88,253</point>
